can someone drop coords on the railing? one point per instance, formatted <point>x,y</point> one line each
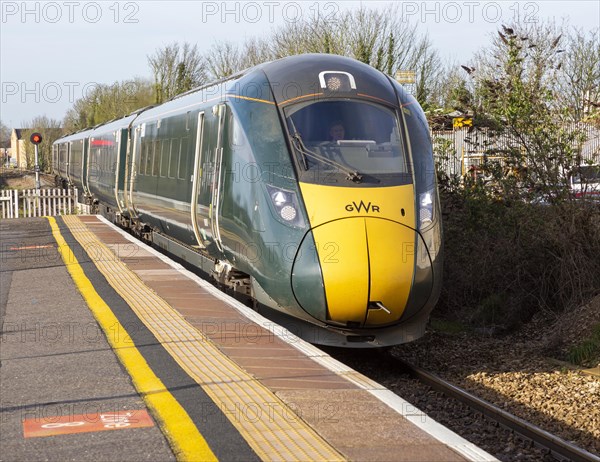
<point>453,148</point>
<point>16,203</point>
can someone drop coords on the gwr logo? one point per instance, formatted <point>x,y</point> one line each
<point>361,206</point>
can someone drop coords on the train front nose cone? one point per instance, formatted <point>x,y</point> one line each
<point>367,269</point>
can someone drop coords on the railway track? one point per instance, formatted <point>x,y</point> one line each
<point>559,448</point>
<point>534,442</point>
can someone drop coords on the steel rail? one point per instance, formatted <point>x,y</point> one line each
<point>559,447</point>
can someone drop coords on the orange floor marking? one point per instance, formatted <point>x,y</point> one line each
<point>83,423</point>
<point>31,247</point>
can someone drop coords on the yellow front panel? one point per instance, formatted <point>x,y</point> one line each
<point>365,243</point>
<point>391,254</point>
<point>342,251</point>
<point>328,203</point>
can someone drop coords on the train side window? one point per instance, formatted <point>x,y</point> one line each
<point>164,157</point>
<point>182,173</point>
<point>175,154</point>
<point>149,154</point>
<point>144,157</point>
<point>103,159</point>
<point>156,158</point>
<point>104,156</point>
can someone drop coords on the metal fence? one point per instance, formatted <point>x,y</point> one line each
<point>457,150</point>
<point>15,203</point>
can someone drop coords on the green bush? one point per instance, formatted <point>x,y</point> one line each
<point>516,241</point>
<point>506,261</point>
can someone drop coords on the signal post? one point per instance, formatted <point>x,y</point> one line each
<point>36,138</point>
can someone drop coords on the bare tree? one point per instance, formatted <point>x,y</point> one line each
<point>536,53</point>
<point>107,102</point>
<point>518,108</point>
<point>4,142</point>
<point>176,69</point>
<point>223,59</point>
<point>4,132</point>
<point>309,36</point>
<point>580,80</point>
<point>226,58</point>
<point>256,51</point>
<point>454,89</point>
<point>376,37</point>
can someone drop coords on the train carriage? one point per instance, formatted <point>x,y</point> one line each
<point>307,183</point>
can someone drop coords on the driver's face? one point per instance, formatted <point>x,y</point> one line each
<point>337,132</point>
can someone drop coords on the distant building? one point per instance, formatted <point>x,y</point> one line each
<point>17,147</point>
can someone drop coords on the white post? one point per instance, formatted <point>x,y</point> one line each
<point>37,170</point>
<point>16,202</point>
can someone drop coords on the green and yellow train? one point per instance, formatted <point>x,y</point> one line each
<point>306,183</point>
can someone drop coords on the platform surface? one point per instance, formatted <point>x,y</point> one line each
<point>111,351</point>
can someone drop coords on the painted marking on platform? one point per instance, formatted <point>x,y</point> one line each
<point>31,247</point>
<point>84,423</point>
<point>269,430</point>
<point>185,438</point>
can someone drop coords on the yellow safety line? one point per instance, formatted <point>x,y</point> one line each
<point>275,435</point>
<point>187,442</point>
<point>222,379</point>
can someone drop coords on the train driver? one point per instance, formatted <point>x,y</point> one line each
<point>336,131</point>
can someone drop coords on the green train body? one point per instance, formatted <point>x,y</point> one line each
<point>337,239</point>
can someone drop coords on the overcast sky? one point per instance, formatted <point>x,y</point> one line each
<point>52,53</point>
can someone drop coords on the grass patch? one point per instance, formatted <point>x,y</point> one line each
<point>587,352</point>
<point>447,327</point>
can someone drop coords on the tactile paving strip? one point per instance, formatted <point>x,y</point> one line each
<point>271,428</point>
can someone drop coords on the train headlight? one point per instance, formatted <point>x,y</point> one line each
<point>288,213</point>
<point>279,198</point>
<point>286,205</point>
<point>426,208</point>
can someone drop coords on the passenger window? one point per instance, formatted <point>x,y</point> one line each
<point>164,157</point>
<point>149,154</point>
<point>174,164</point>
<point>156,158</point>
<point>182,171</point>
<point>144,157</point>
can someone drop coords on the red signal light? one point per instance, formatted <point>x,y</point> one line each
<point>35,138</point>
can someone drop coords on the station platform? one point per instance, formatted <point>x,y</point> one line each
<point>111,351</point>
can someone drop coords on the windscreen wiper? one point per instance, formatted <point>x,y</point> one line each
<point>299,145</point>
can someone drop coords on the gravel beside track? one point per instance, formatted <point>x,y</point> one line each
<point>511,373</point>
<point>471,425</point>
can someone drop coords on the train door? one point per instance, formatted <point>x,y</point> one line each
<point>67,163</point>
<point>71,164</point>
<point>210,149</point>
<point>121,170</point>
<point>120,167</point>
<point>199,231</point>
<point>63,155</point>
<point>217,161</point>
<point>132,160</point>
<point>54,158</point>
<point>84,166</point>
